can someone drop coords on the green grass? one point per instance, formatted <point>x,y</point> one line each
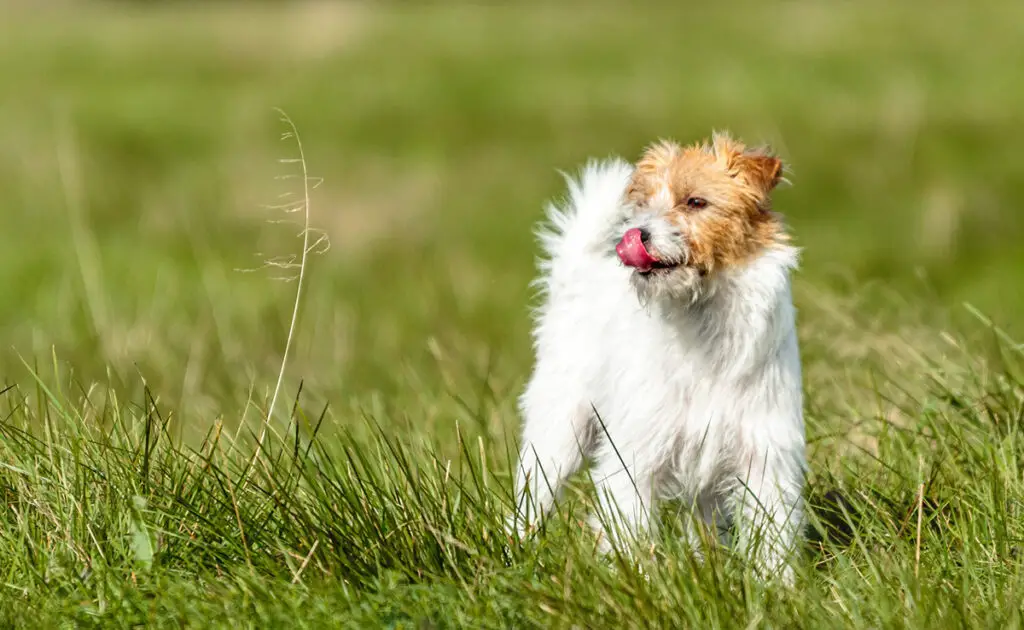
<point>140,142</point>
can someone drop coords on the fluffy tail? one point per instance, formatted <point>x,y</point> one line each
<point>582,224</point>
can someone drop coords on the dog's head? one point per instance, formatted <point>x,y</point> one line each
<point>696,212</point>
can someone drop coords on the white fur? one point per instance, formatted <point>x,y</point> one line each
<point>699,398</point>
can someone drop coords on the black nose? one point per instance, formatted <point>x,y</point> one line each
<point>645,236</point>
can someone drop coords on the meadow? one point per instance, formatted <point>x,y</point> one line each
<point>148,275</point>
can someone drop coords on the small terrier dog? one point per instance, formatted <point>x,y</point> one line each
<point>666,351</point>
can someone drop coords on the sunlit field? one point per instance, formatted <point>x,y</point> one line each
<point>153,204</point>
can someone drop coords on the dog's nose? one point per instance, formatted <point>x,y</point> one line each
<point>645,236</point>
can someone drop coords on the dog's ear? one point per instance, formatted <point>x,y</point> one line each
<point>761,168</point>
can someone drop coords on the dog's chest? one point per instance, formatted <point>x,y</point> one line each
<point>663,376</point>
<point>669,386</point>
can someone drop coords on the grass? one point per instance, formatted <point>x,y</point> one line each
<point>140,147</point>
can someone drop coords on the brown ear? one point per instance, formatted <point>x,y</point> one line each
<point>762,169</point>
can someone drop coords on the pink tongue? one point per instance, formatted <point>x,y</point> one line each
<point>632,252</point>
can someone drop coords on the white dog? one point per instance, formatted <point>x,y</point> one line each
<point>666,350</point>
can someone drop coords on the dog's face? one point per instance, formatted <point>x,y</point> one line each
<point>697,211</point>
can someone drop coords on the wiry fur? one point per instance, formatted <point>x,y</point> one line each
<point>694,375</point>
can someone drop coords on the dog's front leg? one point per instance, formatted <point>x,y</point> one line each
<point>556,437</point>
<point>769,511</point>
<point>625,502</point>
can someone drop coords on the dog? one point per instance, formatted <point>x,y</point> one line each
<point>666,352</point>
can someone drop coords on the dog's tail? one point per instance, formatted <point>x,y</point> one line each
<point>584,224</point>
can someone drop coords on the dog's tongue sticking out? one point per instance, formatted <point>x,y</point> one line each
<point>632,252</point>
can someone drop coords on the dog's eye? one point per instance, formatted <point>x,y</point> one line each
<point>697,202</point>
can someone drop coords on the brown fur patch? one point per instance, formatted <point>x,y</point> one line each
<point>735,181</point>
<point>651,169</point>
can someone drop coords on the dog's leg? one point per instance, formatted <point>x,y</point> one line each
<point>556,437</point>
<point>769,511</point>
<point>705,524</point>
<point>626,496</point>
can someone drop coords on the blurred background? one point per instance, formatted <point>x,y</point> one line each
<point>140,148</point>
